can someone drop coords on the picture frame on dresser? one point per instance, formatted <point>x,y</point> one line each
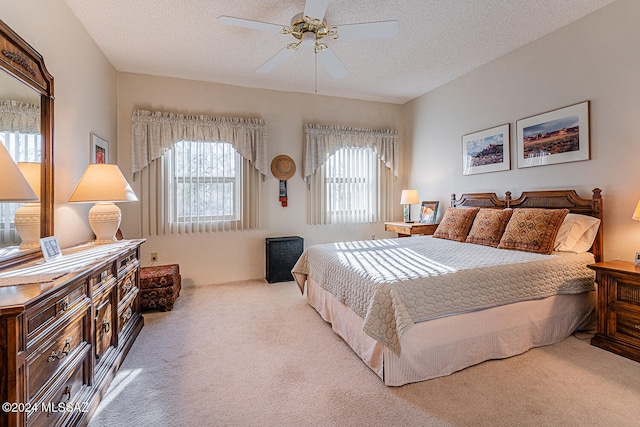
<point>50,248</point>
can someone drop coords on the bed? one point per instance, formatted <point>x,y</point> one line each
<point>427,306</point>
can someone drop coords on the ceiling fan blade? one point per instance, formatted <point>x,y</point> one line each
<point>316,8</point>
<point>332,63</point>
<point>247,23</point>
<point>275,60</point>
<point>369,30</point>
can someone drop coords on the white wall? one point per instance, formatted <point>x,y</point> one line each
<point>239,255</point>
<point>594,59</point>
<point>85,99</point>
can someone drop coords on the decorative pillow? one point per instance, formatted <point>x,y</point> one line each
<point>577,233</point>
<point>532,229</point>
<point>488,227</point>
<point>456,223</point>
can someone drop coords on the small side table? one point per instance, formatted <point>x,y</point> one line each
<point>406,229</point>
<point>618,308</point>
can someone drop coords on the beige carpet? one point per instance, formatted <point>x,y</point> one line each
<point>255,354</point>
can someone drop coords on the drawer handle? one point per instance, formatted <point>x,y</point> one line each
<point>106,327</point>
<point>67,392</point>
<point>637,326</point>
<point>127,285</point>
<point>58,355</point>
<point>127,314</point>
<point>64,305</point>
<point>104,275</point>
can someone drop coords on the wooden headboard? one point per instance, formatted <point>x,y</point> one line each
<point>551,199</point>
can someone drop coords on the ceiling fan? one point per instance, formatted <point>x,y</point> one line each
<point>309,28</point>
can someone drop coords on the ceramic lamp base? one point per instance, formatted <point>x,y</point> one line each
<point>104,219</point>
<point>27,219</point>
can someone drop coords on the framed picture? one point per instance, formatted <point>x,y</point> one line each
<point>50,248</point>
<point>429,212</point>
<point>558,136</point>
<point>99,149</point>
<point>486,151</point>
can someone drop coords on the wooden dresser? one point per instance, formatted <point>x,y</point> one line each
<point>618,308</point>
<point>62,340</point>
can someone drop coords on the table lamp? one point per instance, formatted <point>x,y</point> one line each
<point>103,184</point>
<point>408,198</point>
<point>27,217</point>
<point>15,187</point>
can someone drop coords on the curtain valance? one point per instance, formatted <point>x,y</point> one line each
<point>154,133</point>
<point>20,117</point>
<point>322,141</point>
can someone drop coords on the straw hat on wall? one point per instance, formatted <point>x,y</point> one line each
<point>283,167</point>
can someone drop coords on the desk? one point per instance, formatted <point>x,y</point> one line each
<point>405,229</point>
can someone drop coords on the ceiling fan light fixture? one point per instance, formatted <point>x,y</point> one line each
<point>308,38</point>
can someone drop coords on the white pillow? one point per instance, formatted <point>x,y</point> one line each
<point>577,233</point>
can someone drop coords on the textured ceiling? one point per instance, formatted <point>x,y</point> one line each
<point>439,40</point>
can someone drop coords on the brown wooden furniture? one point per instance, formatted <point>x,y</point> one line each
<point>22,62</point>
<point>405,229</point>
<point>62,341</point>
<point>549,199</point>
<point>618,308</point>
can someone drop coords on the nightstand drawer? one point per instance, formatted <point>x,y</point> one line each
<point>627,294</point>
<point>625,326</point>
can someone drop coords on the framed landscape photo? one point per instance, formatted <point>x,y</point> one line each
<point>99,149</point>
<point>486,151</point>
<point>429,212</point>
<point>558,136</point>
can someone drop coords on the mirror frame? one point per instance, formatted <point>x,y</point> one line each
<point>24,63</point>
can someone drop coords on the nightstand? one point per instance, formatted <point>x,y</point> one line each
<point>618,308</point>
<point>406,229</point>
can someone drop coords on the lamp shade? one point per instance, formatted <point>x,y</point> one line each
<point>14,187</point>
<point>31,172</point>
<point>409,197</point>
<point>636,213</point>
<point>103,183</point>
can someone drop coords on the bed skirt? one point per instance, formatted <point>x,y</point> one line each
<point>448,344</point>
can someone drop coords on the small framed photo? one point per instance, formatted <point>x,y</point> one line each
<point>429,212</point>
<point>559,136</point>
<point>50,248</point>
<point>486,151</point>
<point>99,149</point>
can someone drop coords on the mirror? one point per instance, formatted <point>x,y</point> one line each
<point>25,80</point>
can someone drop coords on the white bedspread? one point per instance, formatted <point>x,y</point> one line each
<point>394,283</point>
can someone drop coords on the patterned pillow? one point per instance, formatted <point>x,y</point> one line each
<point>455,224</point>
<point>488,226</point>
<point>533,229</point>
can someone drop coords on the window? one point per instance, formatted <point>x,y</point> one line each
<point>206,182</point>
<point>22,147</point>
<point>350,173</point>
<point>351,187</point>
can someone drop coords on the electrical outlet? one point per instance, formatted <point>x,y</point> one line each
<point>154,256</point>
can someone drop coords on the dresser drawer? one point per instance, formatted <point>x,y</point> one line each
<point>126,311</point>
<point>103,327</point>
<point>62,402</point>
<point>54,308</point>
<point>626,294</point>
<point>103,277</point>
<point>126,285</point>
<point>128,262</point>
<point>625,326</point>
<point>52,356</point>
